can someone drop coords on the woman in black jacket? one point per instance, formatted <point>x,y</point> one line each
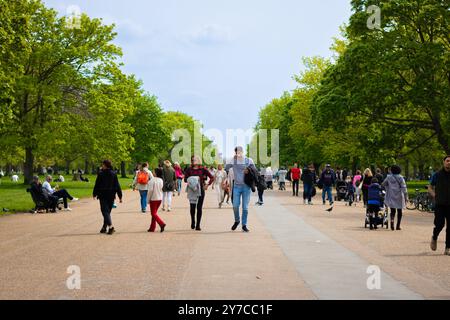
<point>106,187</point>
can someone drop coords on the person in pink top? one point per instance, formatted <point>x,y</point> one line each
<point>180,176</point>
<point>357,183</point>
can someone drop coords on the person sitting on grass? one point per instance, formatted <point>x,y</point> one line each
<point>374,202</point>
<point>59,193</point>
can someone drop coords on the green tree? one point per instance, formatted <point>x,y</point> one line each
<point>397,76</point>
<point>150,136</point>
<point>53,75</point>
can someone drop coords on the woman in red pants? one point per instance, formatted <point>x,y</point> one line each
<point>155,196</point>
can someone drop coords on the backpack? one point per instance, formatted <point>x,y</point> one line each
<point>142,177</point>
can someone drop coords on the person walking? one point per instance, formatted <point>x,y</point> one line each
<point>106,188</point>
<point>268,174</point>
<point>141,182</point>
<point>220,178</point>
<point>440,191</point>
<point>229,184</point>
<point>155,196</point>
<point>282,179</point>
<point>179,174</point>
<point>241,191</point>
<point>366,182</point>
<point>261,187</point>
<point>396,195</point>
<point>296,174</point>
<point>357,183</point>
<point>379,176</point>
<point>197,170</point>
<point>328,179</point>
<point>170,179</point>
<point>309,179</point>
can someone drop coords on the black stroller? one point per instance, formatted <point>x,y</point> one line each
<point>341,191</point>
<point>382,218</point>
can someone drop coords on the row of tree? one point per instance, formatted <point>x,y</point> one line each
<point>383,98</point>
<point>65,99</point>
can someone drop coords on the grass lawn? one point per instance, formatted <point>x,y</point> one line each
<point>14,197</point>
<point>413,185</point>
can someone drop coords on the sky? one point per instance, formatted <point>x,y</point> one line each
<point>220,61</point>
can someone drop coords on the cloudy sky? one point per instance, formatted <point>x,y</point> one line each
<point>218,60</point>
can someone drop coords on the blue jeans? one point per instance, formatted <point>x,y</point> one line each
<point>329,192</point>
<point>143,194</point>
<point>179,182</point>
<point>307,194</point>
<point>245,192</point>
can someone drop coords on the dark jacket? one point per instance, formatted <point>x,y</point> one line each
<point>261,185</point>
<point>367,181</point>
<point>328,178</point>
<point>107,186</point>
<point>375,194</point>
<point>441,182</point>
<point>200,172</point>
<point>308,177</point>
<point>251,178</point>
<point>169,178</point>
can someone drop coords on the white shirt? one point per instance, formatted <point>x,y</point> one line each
<point>46,185</point>
<point>61,178</point>
<point>155,189</point>
<point>221,176</point>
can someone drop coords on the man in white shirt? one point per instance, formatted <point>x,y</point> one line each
<point>61,194</point>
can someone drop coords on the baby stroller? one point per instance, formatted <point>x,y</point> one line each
<point>341,191</point>
<point>382,217</point>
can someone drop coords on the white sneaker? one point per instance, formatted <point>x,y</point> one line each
<point>75,199</point>
<point>67,209</point>
<point>169,210</point>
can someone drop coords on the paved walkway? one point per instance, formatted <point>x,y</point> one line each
<point>293,252</point>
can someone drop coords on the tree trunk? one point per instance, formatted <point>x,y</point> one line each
<point>28,166</point>
<point>407,170</point>
<point>123,169</point>
<point>422,172</point>
<point>86,166</point>
<point>68,167</point>
<point>354,166</point>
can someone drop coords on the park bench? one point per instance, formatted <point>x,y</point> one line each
<point>42,204</point>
